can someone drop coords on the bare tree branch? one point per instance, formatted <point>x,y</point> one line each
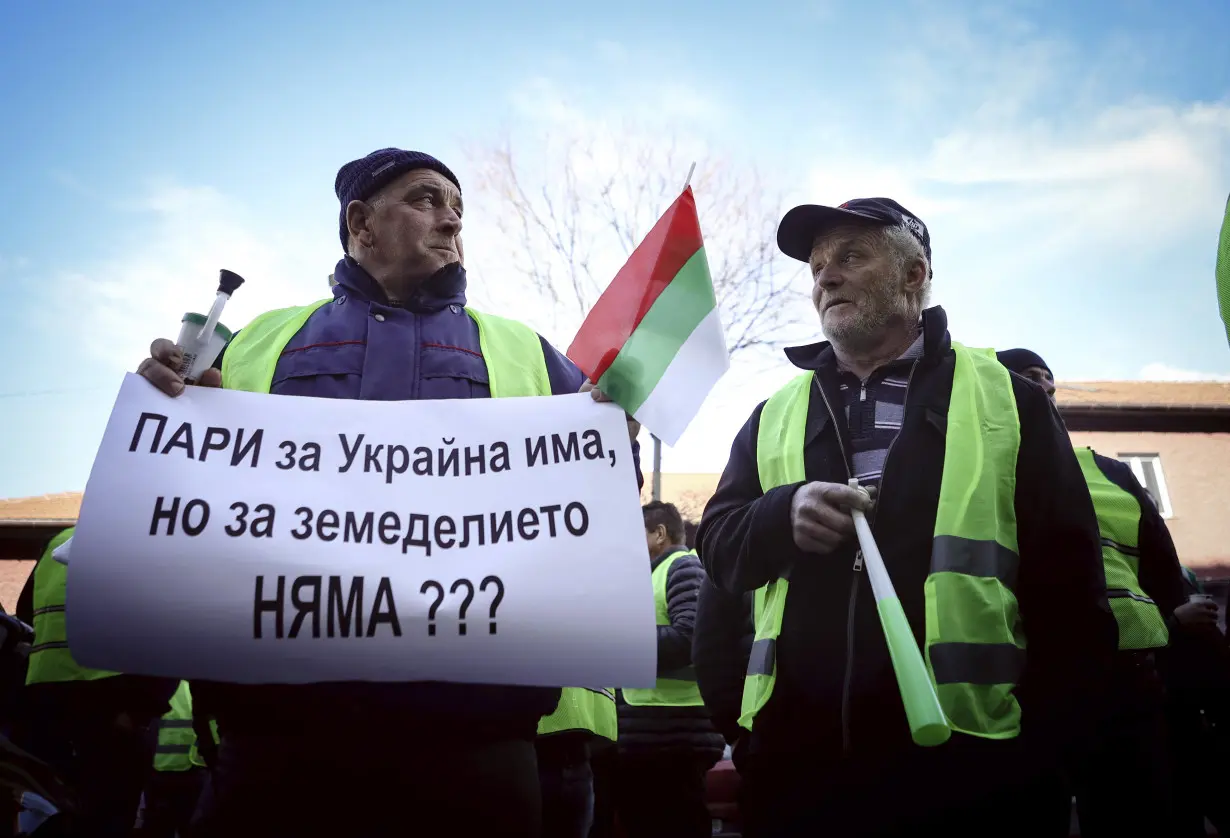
<point>596,197</point>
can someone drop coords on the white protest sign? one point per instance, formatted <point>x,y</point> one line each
<point>251,538</point>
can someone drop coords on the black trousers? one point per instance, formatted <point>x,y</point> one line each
<point>1201,749</point>
<point>263,786</point>
<point>662,795</point>
<point>567,796</point>
<point>107,771</point>
<point>969,788</point>
<point>170,800</point>
<point>1125,788</point>
<point>604,763</point>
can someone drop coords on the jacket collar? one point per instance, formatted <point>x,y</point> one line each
<point>669,551</point>
<point>936,343</point>
<point>445,287</point>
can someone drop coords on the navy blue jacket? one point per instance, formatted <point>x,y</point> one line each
<point>361,346</point>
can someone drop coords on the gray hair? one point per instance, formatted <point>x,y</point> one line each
<point>905,250</point>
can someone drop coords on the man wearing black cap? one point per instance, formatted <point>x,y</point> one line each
<point>985,527</point>
<point>397,327</point>
<point>1125,786</point>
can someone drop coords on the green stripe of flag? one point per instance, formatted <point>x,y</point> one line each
<point>650,349</point>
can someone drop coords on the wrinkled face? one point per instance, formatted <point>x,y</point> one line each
<point>1043,378</point>
<point>859,288</point>
<point>411,228</point>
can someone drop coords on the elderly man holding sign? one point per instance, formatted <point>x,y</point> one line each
<point>991,567</point>
<point>396,329</point>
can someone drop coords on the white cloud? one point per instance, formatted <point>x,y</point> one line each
<point>1031,178</point>
<point>1165,372</point>
<point>1044,189</point>
<point>182,235</point>
<point>1136,174</point>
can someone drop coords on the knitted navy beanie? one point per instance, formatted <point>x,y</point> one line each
<point>1019,360</point>
<point>359,179</point>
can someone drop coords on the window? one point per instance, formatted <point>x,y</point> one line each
<point>1148,470</point>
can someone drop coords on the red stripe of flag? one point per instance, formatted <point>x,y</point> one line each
<point>651,267</point>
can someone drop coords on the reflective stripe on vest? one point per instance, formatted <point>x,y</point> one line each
<point>674,689</point>
<point>511,351</point>
<point>50,660</point>
<point>973,642</point>
<point>583,709</point>
<point>175,735</point>
<point>1141,625</point>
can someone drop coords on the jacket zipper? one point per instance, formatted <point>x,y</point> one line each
<point>851,608</point>
<point>848,675</point>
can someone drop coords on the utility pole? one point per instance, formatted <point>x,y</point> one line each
<point>657,469</point>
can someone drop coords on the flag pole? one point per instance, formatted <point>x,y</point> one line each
<point>656,491</point>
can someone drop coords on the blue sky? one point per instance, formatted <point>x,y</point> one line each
<point>1072,161</point>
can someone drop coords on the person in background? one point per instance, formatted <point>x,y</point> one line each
<point>95,728</point>
<point>604,757</point>
<point>666,740</point>
<point>585,718</point>
<point>1196,668</point>
<point>172,792</point>
<point>1125,787</point>
<point>396,328</point>
<point>986,529</point>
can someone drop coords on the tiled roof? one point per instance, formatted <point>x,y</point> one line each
<point>1144,393</point>
<point>62,507</point>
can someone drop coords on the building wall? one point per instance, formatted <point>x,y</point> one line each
<point>13,575</point>
<point>1196,468</point>
<point>689,492</point>
<point>20,549</point>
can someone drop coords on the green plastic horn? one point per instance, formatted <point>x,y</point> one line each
<point>928,725</point>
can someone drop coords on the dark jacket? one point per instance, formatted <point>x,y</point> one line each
<point>721,648</point>
<point>1196,663</point>
<point>835,689</point>
<point>363,347</point>
<point>1158,569</point>
<point>648,729</point>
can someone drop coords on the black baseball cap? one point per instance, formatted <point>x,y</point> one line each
<point>798,229</point>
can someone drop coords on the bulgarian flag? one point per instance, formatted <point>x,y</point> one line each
<point>653,342</point>
<point>1222,270</point>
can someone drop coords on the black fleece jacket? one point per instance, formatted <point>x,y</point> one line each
<point>835,690</point>
<point>649,729</point>
<point>721,648</point>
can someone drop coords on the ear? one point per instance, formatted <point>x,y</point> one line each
<point>358,218</point>
<point>915,278</point>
